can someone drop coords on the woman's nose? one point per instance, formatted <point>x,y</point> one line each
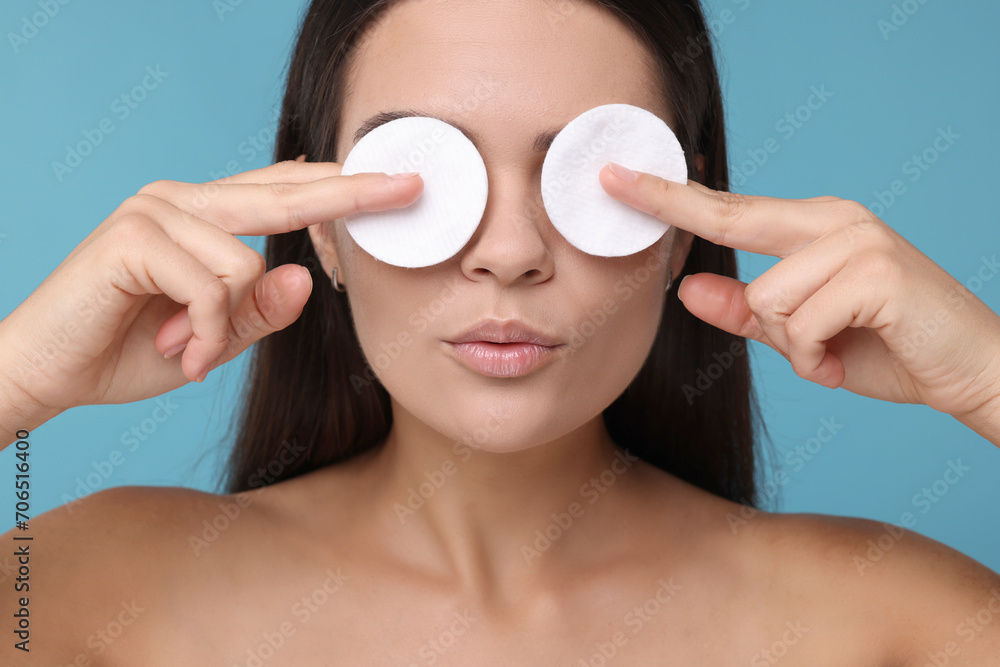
<point>514,238</point>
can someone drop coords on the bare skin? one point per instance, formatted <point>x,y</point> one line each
<point>326,569</point>
<point>677,582</point>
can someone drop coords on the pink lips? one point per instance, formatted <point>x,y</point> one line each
<point>503,359</point>
<point>503,349</point>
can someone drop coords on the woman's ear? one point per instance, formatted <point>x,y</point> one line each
<point>679,252</point>
<point>325,247</point>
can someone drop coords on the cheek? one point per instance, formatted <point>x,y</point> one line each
<point>621,320</point>
<point>630,300</point>
<point>610,312</point>
<point>613,325</point>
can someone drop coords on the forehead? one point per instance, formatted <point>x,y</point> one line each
<point>505,69</point>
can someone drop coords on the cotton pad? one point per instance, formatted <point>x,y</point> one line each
<point>444,217</point>
<point>577,205</point>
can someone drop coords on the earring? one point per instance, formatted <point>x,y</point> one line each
<point>337,286</point>
<point>670,281</point>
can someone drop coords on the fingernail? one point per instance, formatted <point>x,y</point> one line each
<point>405,174</point>
<point>174,350</point>
<point>200,377</point>
<point>622,172</point>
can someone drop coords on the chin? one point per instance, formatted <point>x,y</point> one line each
<point>497,426</point>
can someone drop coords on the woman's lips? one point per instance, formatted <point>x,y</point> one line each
<point>503,359</point>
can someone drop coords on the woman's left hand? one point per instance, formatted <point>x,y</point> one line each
<point>852,304</point>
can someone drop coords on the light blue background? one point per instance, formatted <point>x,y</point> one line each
<point>891,92</point>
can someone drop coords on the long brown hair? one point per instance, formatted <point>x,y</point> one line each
<point>690,410</point>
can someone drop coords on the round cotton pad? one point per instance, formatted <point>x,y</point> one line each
<point>574,200</point>
<point>443,219</point>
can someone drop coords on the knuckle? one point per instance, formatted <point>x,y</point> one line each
<point>294,216</point>
<point>133,228</point>
<point>660,188</point>
<point>251,265</point>
<point>141,202</point>
<point>852,211</point>
<point>257,263</point>
<point>155,188</point>
<point>861,223</point>
<point>279,189</point>
<point>216,290</point>
<point>763,298</point>
<point>284,167</point>
<point>731,205</point>
<point>880,266</point>
<point>659,185</point>
<point>798,369</point>
<point>282,195</point>
<point>733,208</point>
<point>795,327</point>
<point>755,297</point>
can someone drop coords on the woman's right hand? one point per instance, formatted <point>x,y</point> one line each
<point>165,269</point>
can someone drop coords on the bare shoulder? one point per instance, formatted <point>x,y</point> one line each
<point>915,598</point>
<point>890,594</point>
<point>97,566</point>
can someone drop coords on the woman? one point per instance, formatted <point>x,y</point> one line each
<point>538,519</point>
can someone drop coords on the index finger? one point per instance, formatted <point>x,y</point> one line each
<point>287,171</point>
<point>278,207</point>
<point>764,225</point>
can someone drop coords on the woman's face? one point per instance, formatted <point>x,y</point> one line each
<point>506,72</point>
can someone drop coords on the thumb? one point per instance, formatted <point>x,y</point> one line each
<point>276,301</point>
<point>720,301</point>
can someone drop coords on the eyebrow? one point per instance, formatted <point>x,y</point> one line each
<point>541,143</point>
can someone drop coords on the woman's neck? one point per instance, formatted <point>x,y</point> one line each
<point>502,521</point>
